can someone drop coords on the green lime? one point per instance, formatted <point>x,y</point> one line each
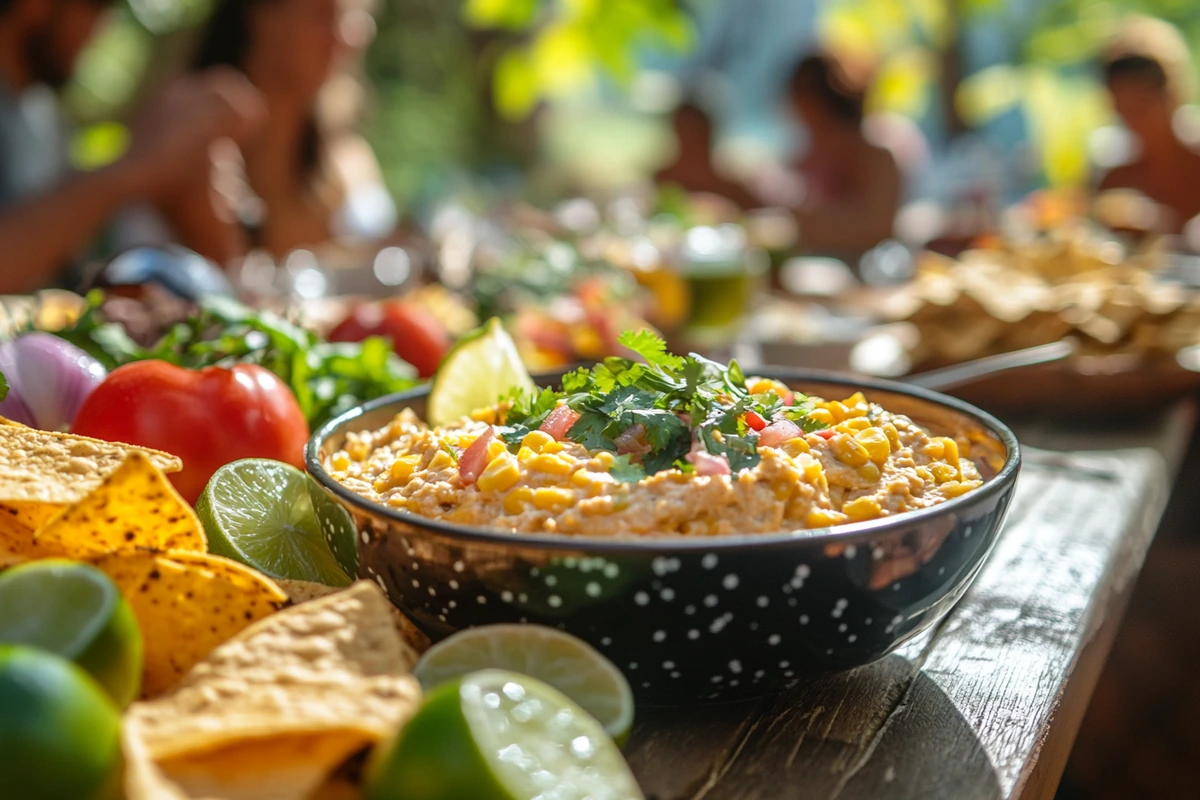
<point>568,664</point>
<point>75,611</point>
<point>480,370</point>
<point>341,534</point>
<point>497,735</point>
<point>260,512</point>
<point>59,732</point>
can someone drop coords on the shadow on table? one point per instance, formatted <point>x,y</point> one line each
<point>875,732</point>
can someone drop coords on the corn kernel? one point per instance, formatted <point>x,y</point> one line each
<point>552,498</point>
<point>823,518</point>
<point>514,501</point>
<point>935,448</point>
<point>956,488</point>
<point>495,448</point>
<point>949,451</point>
<point>892,434</point>
<point>606,459</point>
<point>340,461</point>
<point>585,479</point>
<point>381,485</point>
<point>525,455</point>
<point>876,443</point>
<point>555,465</point>
<point>814,473</point>
<point>500,475</point>
<point>856,424</point>
<point>821,415</point>
<point>943,473</point>
<point>486,414</point>
<point>869,473</point>
<point>837,410</point>
<point>849,451</point>
<point>764,385</point>
<point>552,447</point>
<point>403,468</point>
<point>794,447</point>
<point>441,460</point>
<point>536,440</point>
<point>357,449</point>
<point>862,508</point>
<point>924,474</point>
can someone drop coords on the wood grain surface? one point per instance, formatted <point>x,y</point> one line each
<point>986,705</point>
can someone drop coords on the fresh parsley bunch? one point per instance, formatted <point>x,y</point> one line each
<point>676,400</point>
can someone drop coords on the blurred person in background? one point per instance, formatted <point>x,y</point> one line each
<point>692,168</point>
<point>1146,69</point>
<point>48,213</point>
<point>307,177</point>
<point>852,187</point>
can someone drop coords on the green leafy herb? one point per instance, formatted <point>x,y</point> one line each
<point>653,411</point>
<point>327,378</point>
<point>3,386</point>
<point>625,471</point>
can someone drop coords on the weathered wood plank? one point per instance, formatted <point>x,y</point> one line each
<point>985,707</point>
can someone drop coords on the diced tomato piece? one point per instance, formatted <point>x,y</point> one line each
<point>779,432</point>
<point>827,433</point>
<point>755,420</point>
<point>559,421</point>
<point>475,458</point>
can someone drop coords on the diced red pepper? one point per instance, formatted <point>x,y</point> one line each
<point>827,433</point>
<point>755,420</point>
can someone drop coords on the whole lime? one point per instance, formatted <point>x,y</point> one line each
<point>75,611</point>
<point>59,731</point>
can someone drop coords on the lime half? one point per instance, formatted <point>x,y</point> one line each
<point>75,611</point>
<point>501,736</point>
<point>59,732</point>
<point>481,369</point>
<point>568,664</point>
<point>260,512</point>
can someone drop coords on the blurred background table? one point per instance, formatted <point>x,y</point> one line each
<point>987,705</point>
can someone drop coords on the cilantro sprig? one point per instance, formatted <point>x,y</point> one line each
<point>659,407</point>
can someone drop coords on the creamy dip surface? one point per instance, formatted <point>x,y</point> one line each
<point>868,463</point>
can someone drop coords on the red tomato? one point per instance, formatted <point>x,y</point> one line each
<point>207,417</point>
<point>826,433</point>
<point>416,335</point>
<point>755,420</point>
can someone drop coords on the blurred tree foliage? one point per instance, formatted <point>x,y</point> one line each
<point>455,84</point>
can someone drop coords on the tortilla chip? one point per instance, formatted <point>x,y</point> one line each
<point>274,711</point>
<point>134,507</point>
<point>287,767</point>
<point>51,467</point>
<point>415,642</point>
<point>186,604</point>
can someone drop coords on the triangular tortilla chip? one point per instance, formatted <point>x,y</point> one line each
<point>60,468</point>
<point>272,712</point>
<point>186,604</point>
<point>134,507</point>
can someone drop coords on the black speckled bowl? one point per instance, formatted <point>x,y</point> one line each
<point>700,618</point>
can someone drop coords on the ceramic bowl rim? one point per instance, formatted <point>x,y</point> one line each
<point>842,534</point>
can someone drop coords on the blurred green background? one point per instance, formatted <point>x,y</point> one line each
<point>548,96</point>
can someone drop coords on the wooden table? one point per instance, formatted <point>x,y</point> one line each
<point>986,705</point>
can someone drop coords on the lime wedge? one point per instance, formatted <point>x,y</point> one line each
<point>481,369</point>
<point>501,736</point>
<point>75,611</point>
<point>572,666</point>
<point>339,529</point>
<point>59,732</point>
<point>260,512</point>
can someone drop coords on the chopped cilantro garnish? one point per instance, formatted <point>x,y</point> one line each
<point>675,400</point>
